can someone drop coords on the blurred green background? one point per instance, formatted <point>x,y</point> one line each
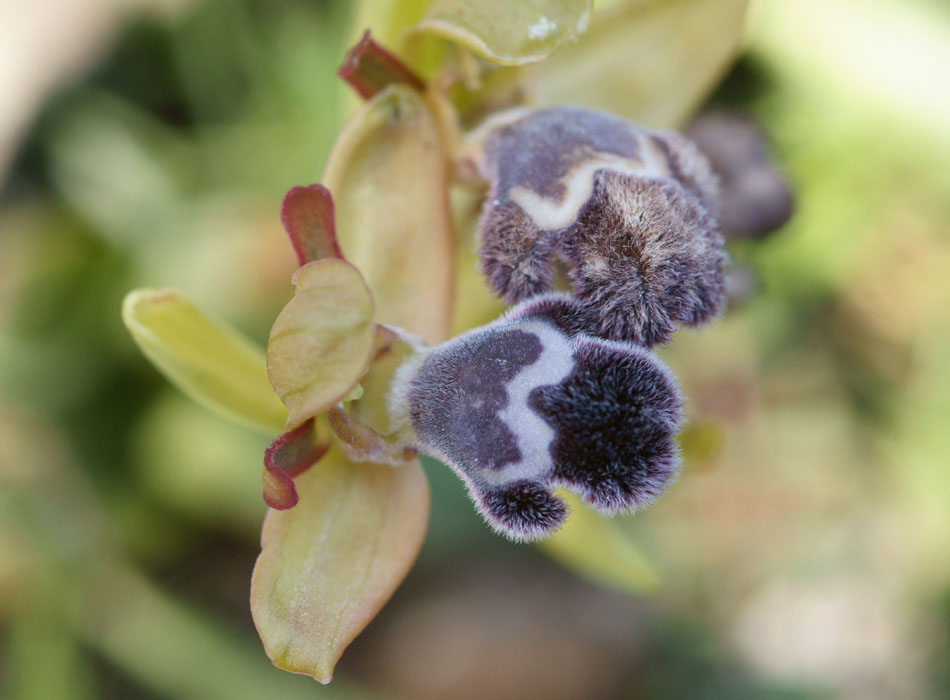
<point>805,549</point>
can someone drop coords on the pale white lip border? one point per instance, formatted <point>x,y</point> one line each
<point>554,215</point>
<point>532,433</point>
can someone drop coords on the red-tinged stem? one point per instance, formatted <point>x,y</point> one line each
<point>369,68</point>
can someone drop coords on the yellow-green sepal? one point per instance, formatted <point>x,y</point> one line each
<point>207,359</point>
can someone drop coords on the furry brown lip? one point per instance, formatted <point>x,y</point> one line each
<point>630,210</point>
<point>531,402</point>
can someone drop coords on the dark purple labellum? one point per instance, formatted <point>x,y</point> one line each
<point>531,402</point>
<point>629,209</point>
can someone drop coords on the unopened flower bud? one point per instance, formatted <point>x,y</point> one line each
<point>756,197</point>
<point>630,210</point>
<point>530,402</point>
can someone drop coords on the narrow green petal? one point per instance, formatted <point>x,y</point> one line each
<point>509,32</point>
<point>653,61</point>
<point>596,547</point>
<point>328,565</point>
<point>205,358</point>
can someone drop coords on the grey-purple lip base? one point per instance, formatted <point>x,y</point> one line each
<point>532,402</point>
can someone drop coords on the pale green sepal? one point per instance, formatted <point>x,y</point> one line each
<point>329,564</point>
<point>208,360</point>
<point>389,176</point>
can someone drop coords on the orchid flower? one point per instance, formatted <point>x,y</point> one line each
<point>552,413</point>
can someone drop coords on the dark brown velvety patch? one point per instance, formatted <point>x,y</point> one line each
<point>645,274</point>
<point>615,418</point>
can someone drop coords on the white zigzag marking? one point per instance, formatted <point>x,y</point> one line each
<point>532,433</point>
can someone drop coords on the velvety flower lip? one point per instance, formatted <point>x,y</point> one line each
<point>531,402</point>
<point>631,210</point>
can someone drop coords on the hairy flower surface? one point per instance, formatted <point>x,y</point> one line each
<point>531,402</point>
<point>631,210</point>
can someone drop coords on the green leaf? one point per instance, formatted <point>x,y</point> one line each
<point>653,61</point>
<point>329,564</point>
<point>322,341</point>
<point>389,176</point>
<point>509,32</point>
<point>208,360</point>
<point>596,547</point>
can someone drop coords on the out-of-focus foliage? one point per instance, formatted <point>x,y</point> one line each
<point>596,547</point>
<point>803,550</point>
